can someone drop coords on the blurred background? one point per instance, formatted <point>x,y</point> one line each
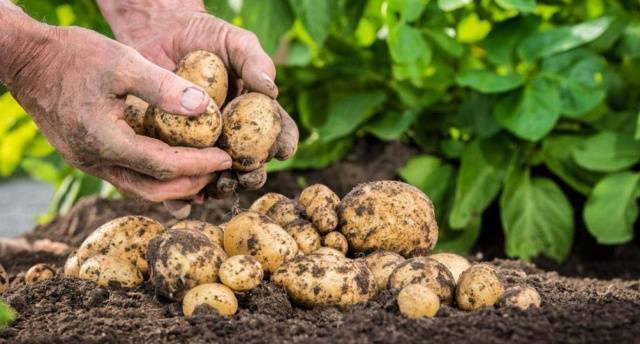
<point>524,114</point>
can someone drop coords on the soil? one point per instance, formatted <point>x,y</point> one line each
<point>603,307</point>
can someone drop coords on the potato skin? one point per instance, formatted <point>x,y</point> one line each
<point>479,286</point>
<point>455,263</point>
<point>215,295</point>
<point>326,280</point>
<point>175,130</point>
<point>110,271</point>
<point>125,237</point>
<point>320,205</point>
<point>39,273</point>
<point>4,280</point>
<point>241,272</point>
<point>206,70</point>
<point>417,301</point>
<point>72,266</point>
<point>337,241</point>
<point>266,201</point>
<point>427,272</point>
<point>134,113</point>
<point>382,264</point>
<point>211,231</point>
<point>329,251</point>
<point>182,259</point>
<point>251,125</point>
<point>305,235</point>
<point>521,297</point>
<point>284,212</point>
<point>256,235</point>
<point>388,215</point>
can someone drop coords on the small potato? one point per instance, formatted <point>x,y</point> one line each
<point>182,259</point>
<point>455,263</point>
<point>71,266</point>
<point>521,297</point>
<point>175,130</point>
<point>427,272</point>
<point>251,127</point>
<point>337,241</point>
<point>326,280</point>
<point>329,251</point>
<point>241,272</point>
<point>134,113</point>
<point>479,286</point>
<point>206,70</point>
<point>256,235</point>
<point>39,273</point>
<point>266,201</point>
<point>125,237</point>
<point>110,271</point>
<point>213,295</point>
<point>4,279</point>
<point>417,301</point>
<point>305,235</point>
<point>213,232</point>
<point>388,215</point>
<point>284,212</point>
<point>320,205</point>
<point>382,264</point>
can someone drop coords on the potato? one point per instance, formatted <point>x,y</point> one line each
<point>417,301</point>
<point>388,215</point>
<point>125,237</point>
<point>266,201</point>
<point>336,240</point>
<point>213,232</point>
<point>284,212</point>
<point>455,263</point>
<point>305,235</point>
<point>382,264</point>
<point>479,286</point>
<point>175,130</point>
<point>4,280</point>
<point>110,271</point>
<point>521,297</point>
<point>241,272</point>
<point>329,251</point>
<point>39,273</point>
<point>256,235</point>
<point>71,265</point>
<point>425,271</point>
<point>182,259</point>
<point>134,113</point>
<point>213,295</point>
<point>251,125</point>
<point>206,70</point>
<point>326,280</point>
<point>320,204</point>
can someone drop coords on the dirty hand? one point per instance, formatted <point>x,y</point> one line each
<point>73,83</point>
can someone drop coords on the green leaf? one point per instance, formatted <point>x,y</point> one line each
<point>348,111</point>
<point>409,10</point>
<point>7,314</point>
<point>557,152</point>
<point>630,44</point>
<point>407,44</point>
<point>314,153</point>
<point>637,134</point>
<point>553,41</point>
<point>476,111</point>
<point>523,6</point>
<point>12,113</point>
<point>391,125</point>
<point>299,54</point>
<point>536,216</point>
<point>482,168</point>
<point>270,20</point>
<point>531,113</point>
<point>443,41</point>
<point>505,36</point>
<point>612,208</point>
<point>313,108</point>
<point>458,241</point>
<point>450,5</point>
<point>472,29</point>
<point>608,152</point>
<point>315,16</point>
<point>221,9</point>
<point>488,82</point>
<point>431,175</point>
<point>13,145</point>
<point>41,170</point>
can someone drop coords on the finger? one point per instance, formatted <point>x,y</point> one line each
<point>223,186</point>
<point>178,209</point>
<point>253,180</point>
<point>287,142</point>
<point>251,62</point>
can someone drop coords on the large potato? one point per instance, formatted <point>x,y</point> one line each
<point>320,204</point>
<point>266,201</point>
<point>256,235</point>
<point>479,286</point>
<point>251,127</point>
<point>206,70</point>
<point>388,215</point>
<point>110,271</point>
<point>125,237</point>
<point>213,232</point>
<point>326,280</point>
<point>305,235</point>
<point>382,264</point>
<point>455,263</point>
<point>175,130</point>
<point>213,295</point>
<point>71,265</point>
<point>425,271</point>
<point>4,279</point>
<point>182,259</point>
<point>241,273</point>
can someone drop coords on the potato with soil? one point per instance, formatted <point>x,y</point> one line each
<point>521,297</point>
<point>241,273</point>
<point>326,280</point>
<point>39,273</point>
<point>455,263</point>
<point>328,250</point>
<point>251,125</point>
<point>427,272</point>
<point>256,235</point>
<point>284,212</point>
<point>418,301</point>
<point>125,237</point>
<point>211,231</point>
<point>110,271</point>
<point>206,70</point>
<point>478,287</point>
<point>211,295</point>
<point>320,205</point>
<point>336,241</point>
<point>134,112</point>
<point>71,265</point>
<point>4,280</point>
<point>382,264</point>
<point>388,215</point>
<point>181,259</point>
<point>266,201</point>
<point>305,235</point>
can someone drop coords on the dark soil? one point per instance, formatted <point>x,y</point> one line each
<point>602,309</point>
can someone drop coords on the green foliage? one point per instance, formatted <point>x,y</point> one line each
<point>7,314</point>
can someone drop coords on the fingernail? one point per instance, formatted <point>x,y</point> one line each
<point>268,81</point>
<point>192,98</point>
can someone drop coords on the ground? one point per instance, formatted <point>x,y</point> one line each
<point>604,307</point>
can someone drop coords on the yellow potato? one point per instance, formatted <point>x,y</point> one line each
<point>213,295</point>
<point>427,272</point>
<point>241,272</point>
<point>39,273</point>
<point>521,297</point>
<point>125,237</point>
<point>388,215</point>
<point>72,266</point>
<point>337,241</point>
<point>134,113</point>
<point>251,127</point>
<point>305,235</point>
<point>176,130</point>
<point>478,287</point>
<point>382,264</point>
<point>4,280</point>
<point>329,251</point>
<point>455,263</point>
<point>284,212</point>
<point>320,205</point>
<point>206,70</point>
<point>417,301</point>
<point>110,271</point>
<point>213,232</point>
<point>266,201</point>
<point>182,259</point>
<point>256,235</point>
